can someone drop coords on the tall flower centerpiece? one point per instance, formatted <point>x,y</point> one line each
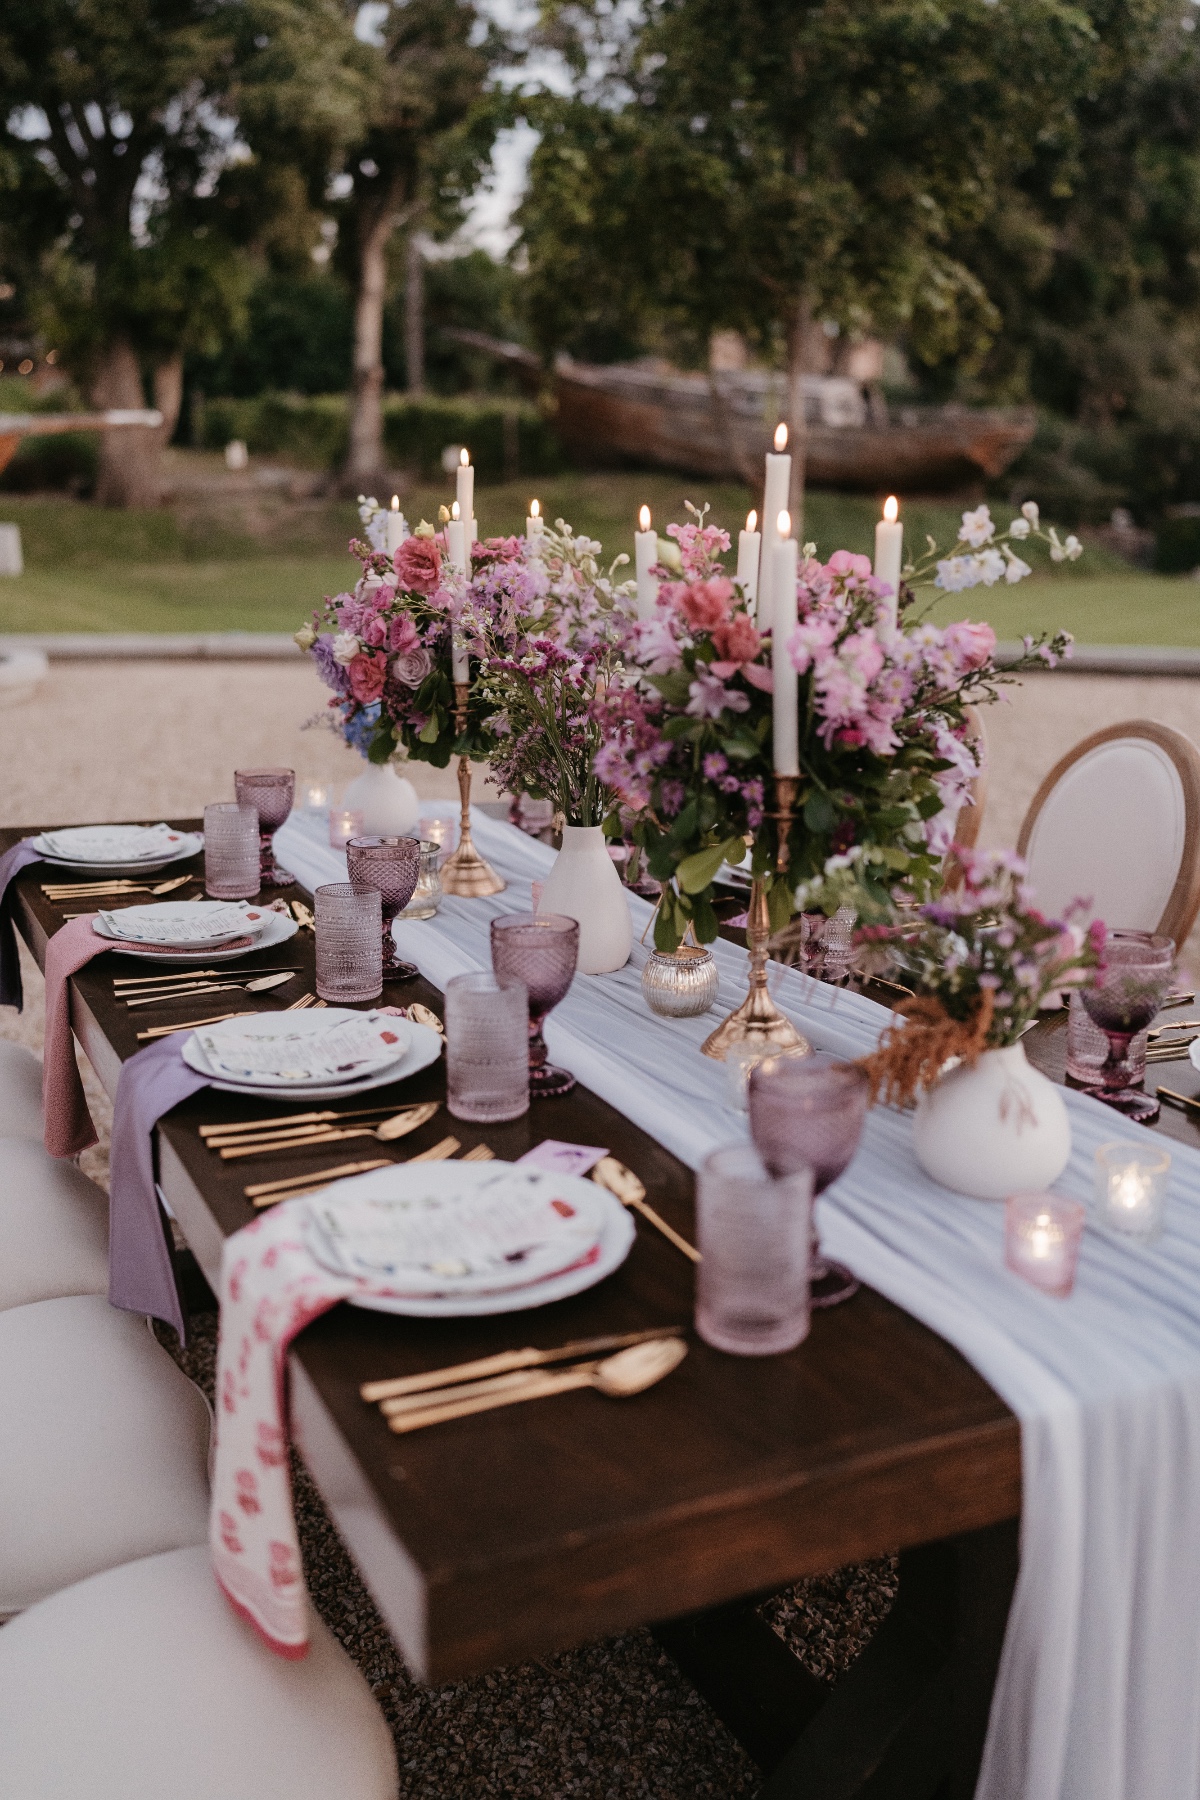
<point>881,757</point>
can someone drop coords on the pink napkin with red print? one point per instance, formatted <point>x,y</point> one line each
<point>271,1288</point>
<point>68,1127</point>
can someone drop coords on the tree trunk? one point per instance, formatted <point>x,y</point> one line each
<point>414,314</point>
<point>130,467</point>
<point>364,458</point>
<point>799,334</point>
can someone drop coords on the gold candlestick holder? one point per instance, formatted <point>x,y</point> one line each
<point>466,872</point>
<point>758,1020</point>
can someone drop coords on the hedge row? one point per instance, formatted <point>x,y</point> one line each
<point>505,437</point>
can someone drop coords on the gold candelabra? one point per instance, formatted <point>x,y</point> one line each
<point>466,872</point>
<point>758,1020</point>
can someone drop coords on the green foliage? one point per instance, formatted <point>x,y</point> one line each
<point>296,338</point>
<point>472,291</point>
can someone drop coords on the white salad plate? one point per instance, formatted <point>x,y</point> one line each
<point>603,1240</point>
<point>298,1051</point>
<point>278,929</point>
<point>86,850</point>
<point>190,924</point>
<point>424,1048</point>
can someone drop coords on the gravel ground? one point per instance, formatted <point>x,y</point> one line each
<point>612,1720</point>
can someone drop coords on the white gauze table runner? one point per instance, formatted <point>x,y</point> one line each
<point>1098,1695</point>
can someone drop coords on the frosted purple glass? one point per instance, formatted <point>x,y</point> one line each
<point>349,947</point>
<point>752,1288</point>
<point>541,950</point>
<point>231,857</point>
<point>270,792</point>
<point>807,1112</point>
<point>487,1063</point>
<point>390,865</point>
<point>1123,1001</point>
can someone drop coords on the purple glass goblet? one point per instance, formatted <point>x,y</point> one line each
<point>807,1112</point>
<point>540,949</point>
<point>392,865</point>
<point>270,792</point>
<point>1123,1001</point>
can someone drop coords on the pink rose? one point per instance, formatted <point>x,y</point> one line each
<point>845,563</point>
<point>737,641</point>
<point>500,549</point>
<point>366,677</point>
<point>412,668</point>
<point>705,604</point>
<point>404,635</point>
<point>375,631</point>
<point>419,565</point>
<point>970,645</point>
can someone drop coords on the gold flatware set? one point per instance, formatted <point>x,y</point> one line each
<point>180,989</point>
<point>84,890</point>
<point>300,1131</point>
<point>631,1192</point>
<point>268,1193</point>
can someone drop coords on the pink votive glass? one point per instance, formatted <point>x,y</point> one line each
<point>1042,1235</point>
<point>231,853</point>
<point>753,1231</point>
<point>343,826</point>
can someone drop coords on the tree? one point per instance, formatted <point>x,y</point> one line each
<point>145,119</point>
<point>767,165</point>
<point>427,139</point>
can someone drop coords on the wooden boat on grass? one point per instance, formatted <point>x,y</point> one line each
<point>721,424</point>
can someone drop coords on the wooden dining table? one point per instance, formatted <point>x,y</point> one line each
<point>509,1535</point>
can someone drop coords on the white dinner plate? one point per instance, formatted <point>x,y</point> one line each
<point>278,929</point>
<point>440,1231</point>
<point>192,844</point>
<point>424,1049</point>
<point>282,1050</point>
<point>189,924</point>
<point>136,844</point>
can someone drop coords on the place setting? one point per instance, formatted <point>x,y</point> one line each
<point>117,849</point>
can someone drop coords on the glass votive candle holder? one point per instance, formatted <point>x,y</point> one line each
<point>231,858</point>
<point>738,1064</point>
<point>753,1235</point>
<point>1131,1189</point>
<point>487,1048</point>
<point>314,796</point>
<point>1042,1234</point>
<point>427,895</point>
<point>343,825</point>
<point>349,943</point>
<point>439,831</point>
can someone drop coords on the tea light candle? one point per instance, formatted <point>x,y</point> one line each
<point>749,546</point>
<point>645,546</point>
<point>343,826</point>
<point>534,523</point>
<point>889,550</point>
<point>1131,1189</point>
<point>313,796</point>
<point>1042,1233</point>
<point>395,526</point>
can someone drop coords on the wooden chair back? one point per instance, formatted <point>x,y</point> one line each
<point>1117,822</point>
<point>970,818</point>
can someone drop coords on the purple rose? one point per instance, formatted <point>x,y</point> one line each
<point>412,667</point>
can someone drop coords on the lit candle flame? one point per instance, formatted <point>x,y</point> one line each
<point>644,519</point>
<point>534,509</point>
<point>1130,1190</point>
<point>891,509</point>
<point>752,520</point>
<point>464,457</point>
<point>395,503</point>
<point>780,437</point>
<point>454,513</point>
<point>783,525</point>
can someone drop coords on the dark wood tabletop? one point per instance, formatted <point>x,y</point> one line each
<point>510,1534</point>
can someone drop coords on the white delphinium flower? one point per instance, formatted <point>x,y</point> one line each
<point>1016,570</point>
<point>957,572</point>
<point>374,520</point>
<point>977,528</point>
<point>1072,548</point>
<point>1019,528</point>
<point>345,648</point>
<point>990,565</point>
<point>1030,512</point>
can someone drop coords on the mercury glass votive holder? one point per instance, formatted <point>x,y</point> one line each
<point>343,825</point>
<point>1131,1189</point>
<point>680,984</point>
<point>1042,1235</point>
<point>231,854</point>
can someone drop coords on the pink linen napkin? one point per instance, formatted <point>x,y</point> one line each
<point>271,1288</point>
<point>69,1127</point>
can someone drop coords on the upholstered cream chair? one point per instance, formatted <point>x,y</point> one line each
<point>20,1091</point>
<point>103,1450</point>
<point>142,1684</point>
<point>1117,823</point>
<point>53,1227</point>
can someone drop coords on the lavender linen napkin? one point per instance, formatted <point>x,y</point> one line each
<point>141,1274</point>
<point>11,863</point>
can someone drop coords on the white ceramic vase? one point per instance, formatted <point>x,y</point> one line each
<point>584,885</point>
<point>995,1129</point>
<point>387,802</point>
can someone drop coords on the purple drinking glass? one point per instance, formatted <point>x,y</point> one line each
<point>808,1112</point>
<point>270,792</point>
<point>1123,1001</point>
<point>541,950</point>
<point>392,866</point>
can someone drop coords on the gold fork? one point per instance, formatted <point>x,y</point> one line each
<point>267,1193</point>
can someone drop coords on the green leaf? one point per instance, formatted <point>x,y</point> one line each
<point>431,730</point>
<point>780,904</point>
<point>819,814</point>
<point>697,871</point>
<point>705,923</point>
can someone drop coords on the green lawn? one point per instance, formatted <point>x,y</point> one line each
<point>195,570</point>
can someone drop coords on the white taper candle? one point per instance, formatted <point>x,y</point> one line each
<point>465,488</point>
<point>889,550</point>
<point>396,526</point>
<point>785,554</point>
<point>749,547</point>
<point>645,548</point>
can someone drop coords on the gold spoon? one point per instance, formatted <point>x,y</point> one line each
<point>262,985</point>
<point>630,1191</point>
<point>618,1377</point>
<point>387,1132</point>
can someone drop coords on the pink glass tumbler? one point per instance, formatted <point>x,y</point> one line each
<point>752,1277</point>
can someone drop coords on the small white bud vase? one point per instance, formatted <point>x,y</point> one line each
<point>584,885</point>
<point>680,984</point>
<point>387,802</point>
<point>994,1129</point>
